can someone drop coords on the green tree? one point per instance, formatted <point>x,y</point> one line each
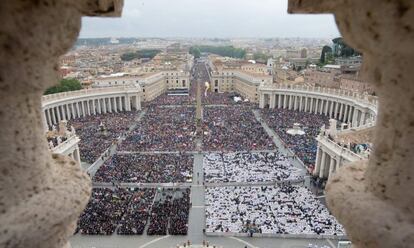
<point>144,53</point>
<point>64,85</point>
<point>261,56</point>
<point>325,51</point>
<point>227,51</point>
<point>195,51</point>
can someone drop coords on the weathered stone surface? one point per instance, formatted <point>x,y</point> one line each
<point>375,202</point>
<point>41,196</point>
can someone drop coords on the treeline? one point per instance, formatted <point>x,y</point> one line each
<point>64,85</point>
<point>144,53</point>
<point>226,51</point>
<point>104,41</point>
<point>340,50</point>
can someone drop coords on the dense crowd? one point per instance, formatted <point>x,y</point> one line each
<point>146,168</point>
<point>225,98</point>
<point>104,211</point>
<point>285,209</point>
<point>128,211</point>
<point>249,167</point>
<point>166,99</point>
<point>233,129</point>
<point>179,214</point>
<point>304,146</point>
<point>136,214</point>
<point>98,132</point>
<point>163,129</point>
<point>171,208</point>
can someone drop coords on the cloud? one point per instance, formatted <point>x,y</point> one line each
<point>209,18</point>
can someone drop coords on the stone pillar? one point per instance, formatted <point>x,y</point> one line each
<point>49,120</point>
<point>272,101</point>
<point>350,113</point>
<point>67,111</point>
<point>331,167</point>
<point>311,105</point>
<point>261,100</point>
<point>323,164</point>
<point>88,107</point>
<point>336,110</point>
<point>128,103</point>
<point>317,162</point>
<point>346,110</point>
<point>93,107</point>
<point>383,31</point>
<point>279,101</point>
<point>138,102</point>
<point>364,118</point>
<point>104,105</point>
<point>77,109</point>
<point>52,111</point>
<point>115,105</point>
<point>82,103</point>
<point>99,106</point>
<point>321,107</point>
<point>355,117</point>
<point>73,111</point>
<point>58,113</point>
<point>331,109</point>
<point>110,104</point>
<point>41,195</point>
<point>306,104</point>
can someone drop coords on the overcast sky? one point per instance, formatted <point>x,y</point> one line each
<point>209,18</point>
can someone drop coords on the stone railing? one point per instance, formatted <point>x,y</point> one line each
<point>360,97</point>
<point>342,151</point>
<point>65,145</point>
<point>86,92</point>
<point>359,128</point>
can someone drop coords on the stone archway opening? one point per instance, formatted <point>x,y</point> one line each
<point>42,195</point>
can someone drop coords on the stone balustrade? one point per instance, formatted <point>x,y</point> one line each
<point>345,106</point>
<point>81,103</point>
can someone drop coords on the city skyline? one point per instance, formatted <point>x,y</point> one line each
<point>209,19</point>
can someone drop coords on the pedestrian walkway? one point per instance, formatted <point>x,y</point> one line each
<point>91,170</point>
<point>197,217</point>
<point>278,142</point>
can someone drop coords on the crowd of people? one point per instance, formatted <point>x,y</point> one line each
<point>166,99</point>
<point>233,129</point>
<point>104,211</point>
<point>170,213</point>
<point>146,168</point>
<point>179,214</point>
<point>284,209</point>
<point>128,211</point>
<point>249,167</point>
<point>304,146</point>
<point>98,132</point>
<point>163,129</point>
<point>136,215</point>
<point>215,98</point>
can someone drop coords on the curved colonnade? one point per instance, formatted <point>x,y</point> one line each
<point>356,111</point>
<point>81,103</point>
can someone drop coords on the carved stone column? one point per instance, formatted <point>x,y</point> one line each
<point>41,196</point>
<point>375,200</point>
